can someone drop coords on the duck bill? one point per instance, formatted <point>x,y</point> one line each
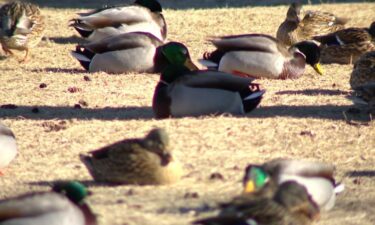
<point>318,68</point>
<point>249,187</point>
<point>190,65</point>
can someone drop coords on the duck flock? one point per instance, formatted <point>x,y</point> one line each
<point>133,38</point>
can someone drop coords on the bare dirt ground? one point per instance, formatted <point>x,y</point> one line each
<point>298,118</point>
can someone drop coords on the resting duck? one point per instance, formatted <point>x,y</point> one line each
<point>317,177</point>
<point>291,204</point>
<point>143,16</point>
<point>145,161</point>
<point>363,70</point>
<point>295,28</point>
<point>182,92</point>
<point>8,147</point>
<point>262,56</point>
<point>65,205</point>
<point>124,53</point>
<point>346,46</point>
<point>22,27</point>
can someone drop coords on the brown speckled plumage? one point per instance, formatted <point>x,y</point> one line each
<point>291,205</point>
<point>22,26</point>
<point>346,46</point>
<point>363,70</point>
<point>300,27</point>
<point>145,161</point>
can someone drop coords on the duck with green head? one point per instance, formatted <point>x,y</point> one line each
<point>141,16</point>
<point>317,177</point>
<point>262,56</point>
<point>182,92</point>
<point>8,147</point>
<point>65,205</point>
<point>289,204</point>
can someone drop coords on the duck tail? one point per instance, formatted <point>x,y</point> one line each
<point>81,28</point>
<point>340,187</point>
<point>251,97</point>
<point>83,56</point>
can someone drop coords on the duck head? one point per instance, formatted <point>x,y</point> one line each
<point>152,5</point>
<point>255,178</point>
<point>312,53</point>
<point>73,190</point>
<point>372,30</point>
<point>294,12</point>
<point>178,59</point>
<point>157,141</point>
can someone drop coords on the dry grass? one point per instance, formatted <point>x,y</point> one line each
<point>298,118</point>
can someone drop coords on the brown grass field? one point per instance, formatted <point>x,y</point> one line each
<point>301,118</point>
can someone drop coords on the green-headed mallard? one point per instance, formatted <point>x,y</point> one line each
<point>21,28</point>
<point>146,161</point>
<point>142,16</point>
<point>8,146</point>
<point>182,92</point>
<point>290,205</point>
<point>262,56</point>
<point>64,206</point>
<point>363,70</point>
<point>124,53</point>
<point>317,177</point>
<point>300,27</point>
<point>346,46</point>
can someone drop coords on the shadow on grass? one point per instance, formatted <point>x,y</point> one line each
<point>332,112</point>
<point>88,183</point>
<point>66,40</point>
<point>361,173</point>
<point>66,112</point>
<point>176,4</point>
<point>60,70</point>
<point>314,92</point>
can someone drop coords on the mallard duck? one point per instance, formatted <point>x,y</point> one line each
<point>262,56</point>
<point>182,92</point>
<point>146,161</point>
<point>317,177</point>
<point>363,70</point>
<point>291,204</point>
<point>8,146</point>
<point>296,29</point>
<point>124,53</point>
<point>346,46</point>
<point>22,27</point>
<point>143,16</point>
<point>64,206</point>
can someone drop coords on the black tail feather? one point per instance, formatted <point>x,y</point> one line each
<point>83,51</point>
<point>214,56</point>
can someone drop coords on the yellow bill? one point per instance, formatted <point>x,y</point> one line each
<point>190,65</point>
<point>318,68</point>
<point>249,187</point>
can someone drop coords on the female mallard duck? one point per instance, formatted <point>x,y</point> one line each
<point>146,161</point>
<point>8,146</point>
<point>182,92</point>
<point>295,28</point>
<point>346,46</point>
<point>317,177</point>
<point>22,27</point>
<point>143,16</point>
<point>364,70</point>
<point>262,56</point>
<point>124,53</point>
<point>64,206</point>
<point>291,204</point>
